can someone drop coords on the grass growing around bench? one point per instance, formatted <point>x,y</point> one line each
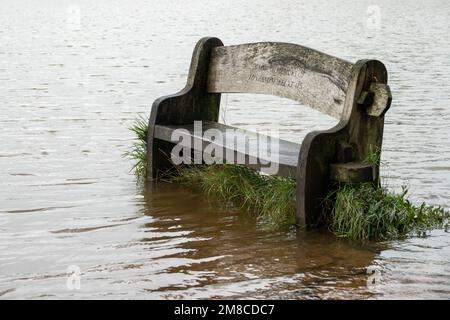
<point>359,212</point>
<point>138,152</point>
<point>365,212</point>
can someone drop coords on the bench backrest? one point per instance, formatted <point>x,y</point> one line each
<point>286,70</point>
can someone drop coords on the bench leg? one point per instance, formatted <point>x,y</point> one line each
<point>341,153</point>
<point>318,151</point>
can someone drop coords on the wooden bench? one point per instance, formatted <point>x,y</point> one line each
<point>355,94</point>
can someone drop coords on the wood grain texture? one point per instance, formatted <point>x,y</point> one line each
<point>286,70</point>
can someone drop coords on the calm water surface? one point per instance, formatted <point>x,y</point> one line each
<point>74,75</point>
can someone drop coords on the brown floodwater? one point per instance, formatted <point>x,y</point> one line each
<point>75,74</point>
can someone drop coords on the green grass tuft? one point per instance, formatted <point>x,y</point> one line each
<point>358,212</point>
<point>365,212</point>
<point>138,152</point>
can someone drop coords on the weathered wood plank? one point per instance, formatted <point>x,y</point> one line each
<point>245,146</point>
<point>287,70</point>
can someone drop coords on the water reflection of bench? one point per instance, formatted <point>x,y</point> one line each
<point>355,94</point>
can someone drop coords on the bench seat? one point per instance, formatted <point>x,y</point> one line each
<point>245,145</point>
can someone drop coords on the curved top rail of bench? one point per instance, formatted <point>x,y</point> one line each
<point>286,70</point>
